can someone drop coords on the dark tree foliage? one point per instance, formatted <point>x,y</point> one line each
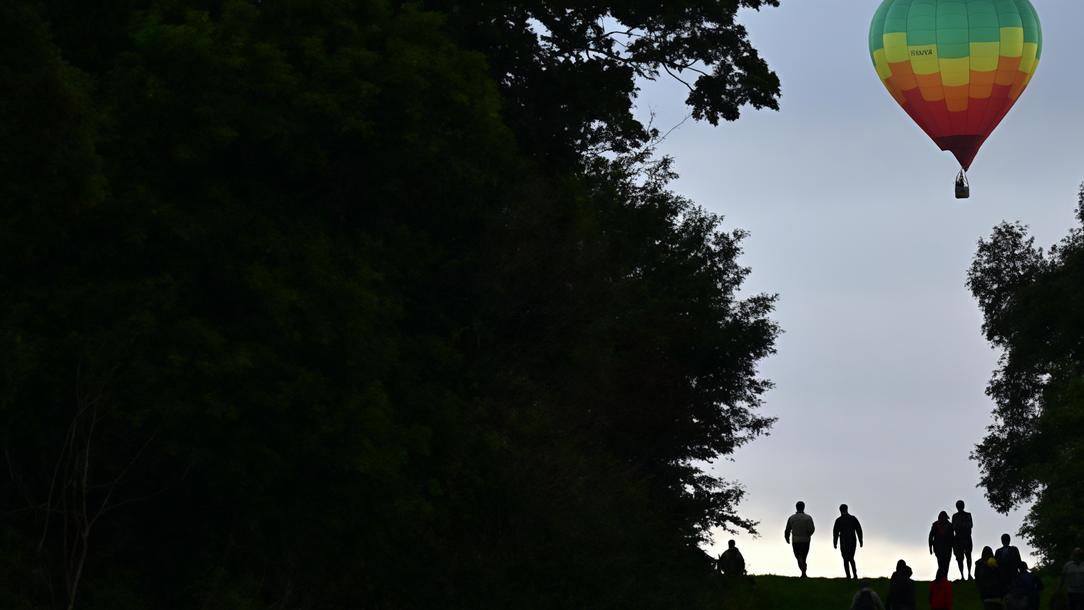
<point>1033,304</point>
<point>568,70</point>
<point>295,315</point>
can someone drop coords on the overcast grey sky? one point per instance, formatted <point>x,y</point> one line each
<point>881,372</point>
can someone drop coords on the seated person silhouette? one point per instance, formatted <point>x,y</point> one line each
<point>731,562</point>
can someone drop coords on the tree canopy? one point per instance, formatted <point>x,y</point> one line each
<point>1033,304</point>
<point>336,305</point>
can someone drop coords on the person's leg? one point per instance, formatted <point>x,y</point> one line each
<point>801,551</point>
<point>943,558</point>
<point>847,550</point>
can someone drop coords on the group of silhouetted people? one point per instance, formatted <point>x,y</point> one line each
<point>1001,577</point>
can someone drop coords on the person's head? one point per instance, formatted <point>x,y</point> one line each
<point>987,553</point>
<point>843,509</point>
<point>959,504</point>
<point>800,506</point>
<point>1078,554</point>
<point>1005,540</point>
<point>732,544</point>
<point>942,516</point>
<point>863,584</point>
<point>1023,566</point>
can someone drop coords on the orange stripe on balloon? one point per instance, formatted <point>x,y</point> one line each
<point>1007,69</point>
<point>903,76</point>
<point>1021,81</point>
<point>956,100</point>
<point>982,84</point>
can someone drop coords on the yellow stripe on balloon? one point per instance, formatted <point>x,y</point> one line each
<point>1012,42</point>
<point>1027,61</point>
<point>881,63</point>
<point>984,56</point>
<point>896,47</point>
<point>924,59</point>
<point>955,72</point>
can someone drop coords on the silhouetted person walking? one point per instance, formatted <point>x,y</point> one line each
<point>962,524</point>
<point>989,581</point>
<point>901,589</point>
<point>941,540</point>
<point>731,562</point>
<point>1072,580</point>
<point>866,598</point>
<point>941,594</point>
<point>1008,561</point>
<point>799,532</point>
<point>847,537</point>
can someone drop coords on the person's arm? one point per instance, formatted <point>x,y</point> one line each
<point>811,526</point>
<point>932,529</point>
<point>835,534</point>
<point>858,527</point>
<point>740,561</point>
<point>786,532</point>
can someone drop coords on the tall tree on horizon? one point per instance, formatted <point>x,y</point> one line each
<point>1033,307</point>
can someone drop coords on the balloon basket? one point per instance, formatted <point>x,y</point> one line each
<point>963,189</point>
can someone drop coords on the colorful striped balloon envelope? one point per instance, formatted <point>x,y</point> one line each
<point>956,66</point>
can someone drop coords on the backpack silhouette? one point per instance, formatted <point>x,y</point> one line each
<point>865,601</point>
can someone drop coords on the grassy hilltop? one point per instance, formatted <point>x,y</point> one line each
<point>786,593</point>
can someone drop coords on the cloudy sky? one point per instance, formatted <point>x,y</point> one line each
<point>881,372</point>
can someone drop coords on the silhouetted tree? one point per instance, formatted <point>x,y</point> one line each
<point>294,314</point>
<point>1032,305</point>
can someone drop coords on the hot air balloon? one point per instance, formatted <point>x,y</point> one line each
<point>956,66</point>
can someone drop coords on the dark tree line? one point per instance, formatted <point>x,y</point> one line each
<point>338,305</point>
<point>1033,303</point>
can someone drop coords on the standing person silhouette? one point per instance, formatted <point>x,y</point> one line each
<point>962,524</point>
<point>1008,561</point>
<point>799,532</point>
<point>941,541</point>
<point>847,537</point>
